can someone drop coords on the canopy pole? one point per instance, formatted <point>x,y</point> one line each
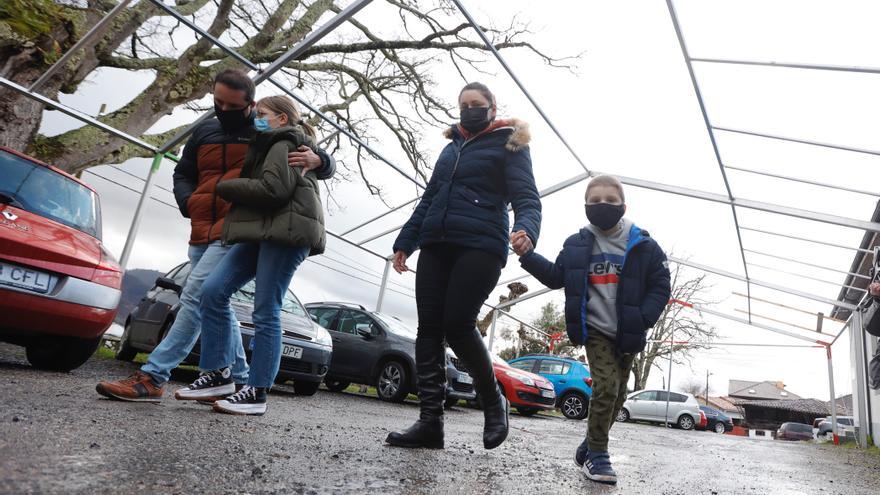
<point>492,330</point>
<point>384,285</point>
<point>139,211</point>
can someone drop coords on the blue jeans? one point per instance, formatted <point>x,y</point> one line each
<point>271,265</point>
<point>184,333</point>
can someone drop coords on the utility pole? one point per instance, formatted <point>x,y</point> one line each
<point>707,387</point>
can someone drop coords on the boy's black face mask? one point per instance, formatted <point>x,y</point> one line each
<point>604,215</point>
<point>475,119</point>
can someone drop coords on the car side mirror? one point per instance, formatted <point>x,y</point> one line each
<point>365,330</point>
<point>167,283</point>
<point>314,317</point>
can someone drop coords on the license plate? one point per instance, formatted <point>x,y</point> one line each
<point>24,278</point>
<point>291,351</point>
<point>548,393</point>
<point>465,378</point>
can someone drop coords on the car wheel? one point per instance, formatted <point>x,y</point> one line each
<point>622,415</point>
<point>305,388</point>
<point>719,427</point>
<point>450,402</point>
<point>336,385</point>
<point>526,411</point>
<point>60,353</point>
<point>392,382</point>
<point>686,422</point>
<point>573,406</point>
<point>126,352</point>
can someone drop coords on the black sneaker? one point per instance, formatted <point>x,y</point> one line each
<point>249,400</point>
<point>598,468</point>
<point>212,400</point>
<point>211,385</point>
<point>580,455</point>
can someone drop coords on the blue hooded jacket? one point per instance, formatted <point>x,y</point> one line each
<point>473,181</point>
<point>643,289</point>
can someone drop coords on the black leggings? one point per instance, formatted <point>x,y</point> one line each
<point>452,282</point>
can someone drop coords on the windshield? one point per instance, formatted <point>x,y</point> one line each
<point>395,326</point>
<point>40,190</point>
<point>290,304</point>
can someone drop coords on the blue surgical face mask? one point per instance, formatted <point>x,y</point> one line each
<point>262,125</point>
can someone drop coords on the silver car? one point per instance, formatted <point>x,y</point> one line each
<point>650,405</point>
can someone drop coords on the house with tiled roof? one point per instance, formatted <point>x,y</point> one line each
<point>770,414</point>
<point>767,404</point>
<point>764,390</point>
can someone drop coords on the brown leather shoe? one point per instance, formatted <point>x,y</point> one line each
<point>139,387</point>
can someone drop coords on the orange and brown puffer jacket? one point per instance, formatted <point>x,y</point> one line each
<point>212,156</point>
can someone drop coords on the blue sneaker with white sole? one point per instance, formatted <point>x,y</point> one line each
<point>580,455</point>
<point>598,468</point>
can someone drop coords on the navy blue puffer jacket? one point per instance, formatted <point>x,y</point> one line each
<point>474,180</point>
<point>643,289</point>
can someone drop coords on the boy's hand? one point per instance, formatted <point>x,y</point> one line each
<point>304,157</point>
<point>875,289</point>
<point>521,242</point>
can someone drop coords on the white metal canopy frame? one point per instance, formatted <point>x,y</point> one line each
<point>345,15</point>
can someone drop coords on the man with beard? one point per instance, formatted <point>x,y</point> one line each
<point>214,153</point>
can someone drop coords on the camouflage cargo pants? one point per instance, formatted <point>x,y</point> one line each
<point>610,374</point>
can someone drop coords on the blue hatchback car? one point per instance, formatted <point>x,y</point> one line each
<point>570,377</point>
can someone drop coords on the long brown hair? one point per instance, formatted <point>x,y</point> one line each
<point>281,104</point>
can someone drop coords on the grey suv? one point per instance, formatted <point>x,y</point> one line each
<point>376,349</point>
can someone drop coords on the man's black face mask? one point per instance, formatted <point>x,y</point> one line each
<point>234,120</point>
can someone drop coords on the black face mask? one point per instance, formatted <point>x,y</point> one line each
<point>233,120</point>
<point>475,119</point>
<point>604,215</point>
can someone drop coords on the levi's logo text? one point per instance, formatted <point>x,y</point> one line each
<point>605,268</point>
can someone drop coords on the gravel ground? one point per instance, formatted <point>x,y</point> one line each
<point>58,436</point>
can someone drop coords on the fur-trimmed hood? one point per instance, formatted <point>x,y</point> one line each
<point>519,138</point>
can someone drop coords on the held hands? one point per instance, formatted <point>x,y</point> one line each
<point>399,262</point>
<point>305,158</point>
<point>521,242</point>
<point>875,289</point>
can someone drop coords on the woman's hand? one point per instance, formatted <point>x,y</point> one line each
<point>875,289</point>
<point>399,262</point>
<point>521,242</point>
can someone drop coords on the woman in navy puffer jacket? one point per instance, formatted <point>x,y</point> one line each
<point>462,227</point>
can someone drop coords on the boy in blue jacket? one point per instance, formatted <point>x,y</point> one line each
<point>616,281</point>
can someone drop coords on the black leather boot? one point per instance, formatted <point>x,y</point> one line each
<point>427,432</point>
<point>470,349</point>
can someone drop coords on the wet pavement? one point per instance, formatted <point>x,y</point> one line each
<point>58,436</point>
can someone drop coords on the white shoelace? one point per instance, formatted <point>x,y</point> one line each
<point>246,392</point>
<point>202,380</point>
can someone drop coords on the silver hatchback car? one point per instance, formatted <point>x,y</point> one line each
<point>650,405</point>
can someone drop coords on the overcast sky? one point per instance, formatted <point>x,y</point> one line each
<point>628,108</point>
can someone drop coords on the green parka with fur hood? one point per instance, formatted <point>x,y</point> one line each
<point>271,201</point>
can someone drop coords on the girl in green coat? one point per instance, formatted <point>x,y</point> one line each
<point>276,221</point>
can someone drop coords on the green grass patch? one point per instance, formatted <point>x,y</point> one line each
<point>872,449</point>
<point>104,352</point>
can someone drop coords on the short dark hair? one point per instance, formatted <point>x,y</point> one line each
<point>237,79</point>
<point>482,88</point>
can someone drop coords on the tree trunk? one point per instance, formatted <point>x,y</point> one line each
<point>24,62</point>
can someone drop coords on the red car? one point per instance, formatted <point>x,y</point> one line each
<point>527,392</point>
<point>59,287</point>
<point>794,431</point>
